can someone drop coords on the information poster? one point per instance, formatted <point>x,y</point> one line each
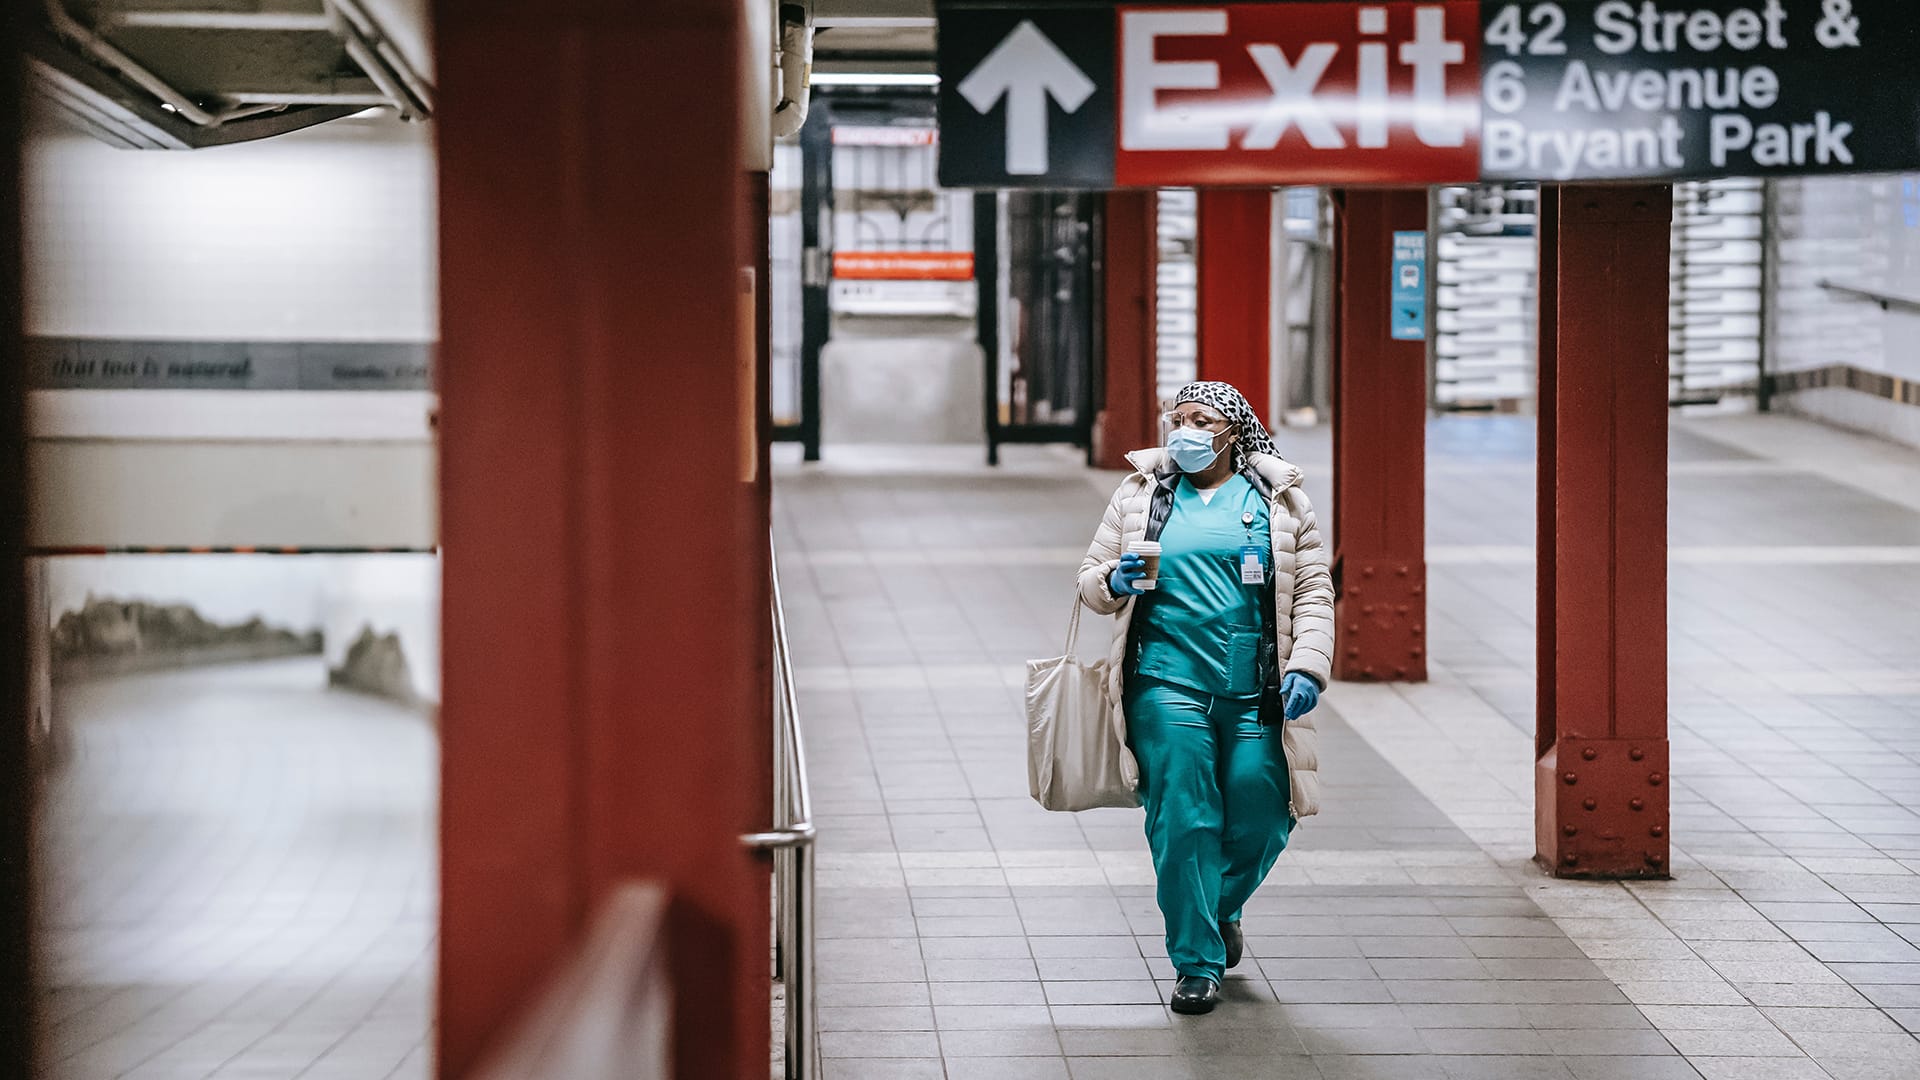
<point>1409,289</point>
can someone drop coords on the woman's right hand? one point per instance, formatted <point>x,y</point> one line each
<point>1131,569</point>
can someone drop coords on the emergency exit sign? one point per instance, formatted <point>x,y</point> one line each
<point>1453,91</point>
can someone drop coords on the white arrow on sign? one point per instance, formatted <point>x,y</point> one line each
<point>1026,69</point>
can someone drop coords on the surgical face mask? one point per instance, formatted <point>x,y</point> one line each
<point>1192,449</point>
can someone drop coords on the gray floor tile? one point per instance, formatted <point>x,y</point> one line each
<point>974,948</point>
<point>1000,1043</point>
<point>1063,969</point>
<point>1007,1068</point>
<point>878,1044</point>
<point>1121,1042</point>
<point>876,1018</point>
<point>1465,1016</point>
<point>1595,1042</point>
<point>1380,1068</point>
<point>1110,1016</point>
<point>1494,1067</point>
<point>1483,1041</point>
<point>994,970</point>
<point>1139,992</point>
<point>1343,1041</point>
<point>988,993</point>
<point>1631,1068</point>
<point>882,1069</point>
<point>991,1017</point>
<point>1333,991</point>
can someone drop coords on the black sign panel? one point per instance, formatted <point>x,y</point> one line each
<point>1616,90</point>
<point>1026,97</point>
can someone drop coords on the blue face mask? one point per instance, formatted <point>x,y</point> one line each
<point>1192,449</point>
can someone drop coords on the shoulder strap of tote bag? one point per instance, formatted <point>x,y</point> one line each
<point>1073,625</point>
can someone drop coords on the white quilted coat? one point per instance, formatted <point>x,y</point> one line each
<point>1303,599</point>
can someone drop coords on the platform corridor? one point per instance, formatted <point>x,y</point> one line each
<point>965,933</point>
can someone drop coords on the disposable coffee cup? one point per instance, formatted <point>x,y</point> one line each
<point>1149,551</point>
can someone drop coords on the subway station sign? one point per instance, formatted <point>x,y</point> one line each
<point>1259,94</point>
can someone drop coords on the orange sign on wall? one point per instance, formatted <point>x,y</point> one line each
<point>903,265</point>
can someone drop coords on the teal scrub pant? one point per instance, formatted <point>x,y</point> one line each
<point>1214,783</point>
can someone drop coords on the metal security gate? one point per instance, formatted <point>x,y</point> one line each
<point>1486,292</point>
<point>1039,269</point>
<point>1715,331</point>
<point>1486,266</point>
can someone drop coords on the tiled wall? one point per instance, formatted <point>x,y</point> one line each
<point>320,237</point>
<point>1857,232</point>
<point>325,235</point>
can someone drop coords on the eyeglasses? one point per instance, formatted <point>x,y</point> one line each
<point>1200,420</point>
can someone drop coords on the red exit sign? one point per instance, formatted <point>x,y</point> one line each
<point>1170,94</point>
<point>1313,93</point>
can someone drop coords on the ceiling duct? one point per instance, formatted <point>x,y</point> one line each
<point>795,66</point>
<point>185,74</point>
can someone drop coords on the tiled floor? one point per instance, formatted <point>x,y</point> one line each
<point>238,880</point>
<point>967,933</point>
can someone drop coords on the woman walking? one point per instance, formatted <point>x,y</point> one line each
<point>1215,665</point>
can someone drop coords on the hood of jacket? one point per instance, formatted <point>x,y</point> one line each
<point>1280,474</point>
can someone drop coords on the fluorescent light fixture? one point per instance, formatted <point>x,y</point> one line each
<point>875,78</point>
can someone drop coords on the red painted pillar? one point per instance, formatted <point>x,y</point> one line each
<point>604,605</point>
<point>1236,291</point>
<point>1601,803</point>
<point>1130,406</point>
<point>1379,448</point>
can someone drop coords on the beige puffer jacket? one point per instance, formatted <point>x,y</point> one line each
<point>1303,599</point>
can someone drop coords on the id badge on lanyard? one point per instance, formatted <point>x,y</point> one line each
<point>1253,557</point>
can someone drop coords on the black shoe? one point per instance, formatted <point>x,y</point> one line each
<point>1195,995</point>
<point>1236,942</point>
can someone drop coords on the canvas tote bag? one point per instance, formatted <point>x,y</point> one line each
<point>1076,760</point>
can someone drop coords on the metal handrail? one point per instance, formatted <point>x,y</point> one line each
<point>790,844</point>
<point>1887,301</point>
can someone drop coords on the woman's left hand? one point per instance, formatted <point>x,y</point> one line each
<point>1298,695</point>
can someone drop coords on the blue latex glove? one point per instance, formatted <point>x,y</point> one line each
<point>1131,569</point>
<point>1298,695</point>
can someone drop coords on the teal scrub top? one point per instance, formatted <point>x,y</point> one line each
<point>1201,626</point>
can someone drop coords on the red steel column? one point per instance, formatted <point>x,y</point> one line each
<point>1601,803</point>
<point>1379,449</point>
<point>1236,291</point>
<point>604,620</point>
<point>1128,417</point>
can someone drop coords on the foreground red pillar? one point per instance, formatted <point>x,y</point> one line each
<point>1379,448</point>
<point>1129,402</point>
<point>1236,292</point>
<point>604,614</point>
<point>1601,780</point>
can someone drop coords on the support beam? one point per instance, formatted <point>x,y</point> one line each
<point>604,618</point>
<point>816,254</point>
<point>1129,398</point>
<point>1236,263</point>
<point>1601,786</point>
<point>986,272</point>
<point>18,998</point>
<point>1379,448</point>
